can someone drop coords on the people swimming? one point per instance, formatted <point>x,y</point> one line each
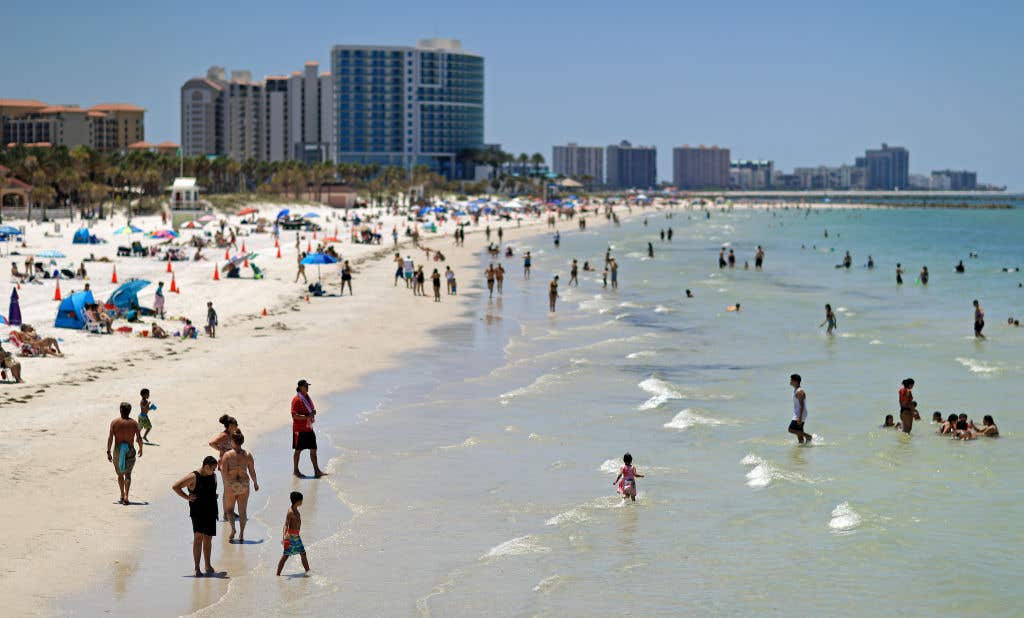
<point>626,480</point>
<point>959,267</point>
<point>871,262</point>
<point>830,319</point>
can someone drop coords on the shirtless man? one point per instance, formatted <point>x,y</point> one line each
<point>573,274</point>
<point>552,293</point>
<point>236,467</point>
<point>123,431</point>
<point>499,274</point>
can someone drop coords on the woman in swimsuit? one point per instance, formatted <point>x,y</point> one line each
<point>907,404</point>
<point>988,427</point>
<point>830,319</point>
<point>237,466</point>
<point>222,443</point>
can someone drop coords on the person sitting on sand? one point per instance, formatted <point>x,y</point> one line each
<point>198,257</point>
<point>7,361</point>
<point>189,331</point>
<point>44,346</point>
<point>92,311</point>
<point>16,274</point>
<point>157,333</point>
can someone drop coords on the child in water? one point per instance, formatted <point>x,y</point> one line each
<point>292,541</point>
<point>626,480</point>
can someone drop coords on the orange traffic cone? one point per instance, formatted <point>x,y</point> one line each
<point>277,245</point>
<point>309,247</point>
<point>245,262</point>
<point>174,285</point>
<point>56,293</point>
<point>279,252</point>
<point>227,256</point>
<point>216,273</point>
<point>169,266</point>
<point>113,278</point>
<point>243,246</point>
<point>264,312</point>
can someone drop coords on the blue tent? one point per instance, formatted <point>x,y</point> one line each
<point>127,295</point>
<point>81,237</point>
<point>71,313</point>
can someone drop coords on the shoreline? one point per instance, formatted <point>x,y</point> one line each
<point>189,404</point>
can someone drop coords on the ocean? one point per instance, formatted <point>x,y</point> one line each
<point>476,477</point>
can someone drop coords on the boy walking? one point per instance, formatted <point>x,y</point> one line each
<point>292,541</point>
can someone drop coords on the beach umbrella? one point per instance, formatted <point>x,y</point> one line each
<point>235,261</point>
<point>163,234</point>
<point>318,259</point>
<point>128,229</point>
<point>127,293</point>
<point>191,225</point>
<point>8,230</point>
<point>14,311</point>
<point>50,253</point>
<point>247,211</point>
<point>207,218</point>
<point>311,215</point>
<point>284,212</point>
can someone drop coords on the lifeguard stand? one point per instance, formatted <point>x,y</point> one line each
<point>184,203</point>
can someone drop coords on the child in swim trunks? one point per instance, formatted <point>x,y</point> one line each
<point>292,541</point>
<point>626,480</point>
<point>144,409</point>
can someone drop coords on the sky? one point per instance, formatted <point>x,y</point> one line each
<point>801,83</point>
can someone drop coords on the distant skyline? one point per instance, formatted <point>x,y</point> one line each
<point>801,83</point>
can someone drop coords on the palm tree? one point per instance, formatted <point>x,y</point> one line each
<point>537,160</point>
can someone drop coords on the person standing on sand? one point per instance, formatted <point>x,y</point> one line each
<point>303,437</point>
<point>158,300</point>
<point>124,431</point>
<point>211,320</point>
<point>449,276</point>
<point>292,541</point>
<point>668,234</point>
<point>435,277</point>
<point>202,509</point>
<point>237,467</point>
<point>499,276</point>
<point>301,268</point>
<point>346,278</point>
<point>222,443</point>
<point>527,262</point>
<point>552,294</point>
<point>500,234</point>
<point>650,250</point>
<point>979,320</point>
<point>796,426</point>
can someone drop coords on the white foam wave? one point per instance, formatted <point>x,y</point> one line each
<point>547,583</point>
<point>660,390</point>
<point>516,547</point>
<point>629,305</point>
<point>977,366</point>
<point>688,418</point>
<point>663,309</point>
<point>539,385</point>
<point>875,342</point>
<point>572,516</point>
<point>469,442</point>
<point>641,354</point>
<point>844,518</point>
<point>610,466</point>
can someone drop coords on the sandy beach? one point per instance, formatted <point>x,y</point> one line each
<point>52,443</point>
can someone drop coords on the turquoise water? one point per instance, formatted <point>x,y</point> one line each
<point>477,478</point>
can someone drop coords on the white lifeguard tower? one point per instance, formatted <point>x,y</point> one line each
<point>184,203</point>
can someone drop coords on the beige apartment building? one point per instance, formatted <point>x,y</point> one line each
<point>107,127</point>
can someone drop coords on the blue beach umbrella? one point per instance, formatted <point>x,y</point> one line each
<point>127,293</point>
<point>14,311</point>
<point>7,230</point>
<point>283,213</point>
<point>51,254</point>
<point>318,259</point>
<point>311,215</point>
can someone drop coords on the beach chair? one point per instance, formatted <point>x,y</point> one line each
<point>139,250</point>
<point>92,326</point>
<point>123,251</point>
<point>20,345</point>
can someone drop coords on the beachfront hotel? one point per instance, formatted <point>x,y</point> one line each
<point>281,118</point>
<point>107,127</point>
<point>700,167</point>
<point>584,163</point>
<point>631,167</point>
<point>408,106</point>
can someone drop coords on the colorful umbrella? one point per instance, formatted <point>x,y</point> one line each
<point>207,218</point>
<point>128,229</point>
<point>163,234</point>
<point>247,211</point>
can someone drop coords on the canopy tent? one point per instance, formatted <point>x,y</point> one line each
<point>71,313</point>
<point>126,295</point>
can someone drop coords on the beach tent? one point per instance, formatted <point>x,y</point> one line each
<point>71,313</point>
<point>127,294</point>
<point>82,237</point>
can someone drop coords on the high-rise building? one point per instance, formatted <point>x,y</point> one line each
<point>107,127</point>
<point>280,118</point>
<point>954,180</point>
<point>409,106</point>
<point>631,167</point>
<point>583,163</point>
<point>888,168</point>
<point>700,168</point>
<point>751,175</point>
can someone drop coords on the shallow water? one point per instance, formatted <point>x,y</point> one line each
<point>477,479</point>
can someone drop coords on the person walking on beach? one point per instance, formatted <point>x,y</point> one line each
<point>421,280</point>
<point>662,234</point>
<point>626,480</point>
<point>899,274</point>
<point>407,271</point>
<point>908,407</point>
<point>830,319</point>
<point>650,250</point>
<point>145,406</point>
<point>346,278</point>
<point>487,232</point>
<point>499,277</point>
<point>211,320</point>
<point>668,234</point>
<point>202,509</point>
<point>613,268</point>
<point>449,276</point>
<point>501,234</point>
<point>124,431</point>
<point>300,269</point>
<point>292,541</point>
<point>303,437</point>
<point>435,278</point>
<point>552,294</point>
<point>759,258</point>
<point>574,272</point>
<point>237,467</point>
<point>398,268</point>
<point>796,426</point>
<point>527,262</point>
<point>222,443</point>
<point>979,320</point>
<point>721,258</point>
<point>158,300</point>
<point>490,281</point>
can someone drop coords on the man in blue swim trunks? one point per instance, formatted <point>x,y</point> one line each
<point>124,431</point>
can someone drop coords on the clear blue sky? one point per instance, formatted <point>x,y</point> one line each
<point>803,83</point>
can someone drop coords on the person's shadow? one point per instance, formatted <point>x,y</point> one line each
<point>131,503</point>
<point>246,542</point>
<point>215,575</point>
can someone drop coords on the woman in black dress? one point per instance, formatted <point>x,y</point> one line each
<point>202,508</point>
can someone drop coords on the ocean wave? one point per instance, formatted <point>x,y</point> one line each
<point>688,418</point>
<point>763,473</point>
<point>630,305</point>
<point>518,546</point>
<point>539,385</point>
<point>469,442</point>
<point>641,354</point>
<point>844,518</point>
<point>610,466</point>
<point>977,366</point>
<point>548,583</point>
<point>572,516</point>
<point>660,390</point>
<point>663,309</point>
